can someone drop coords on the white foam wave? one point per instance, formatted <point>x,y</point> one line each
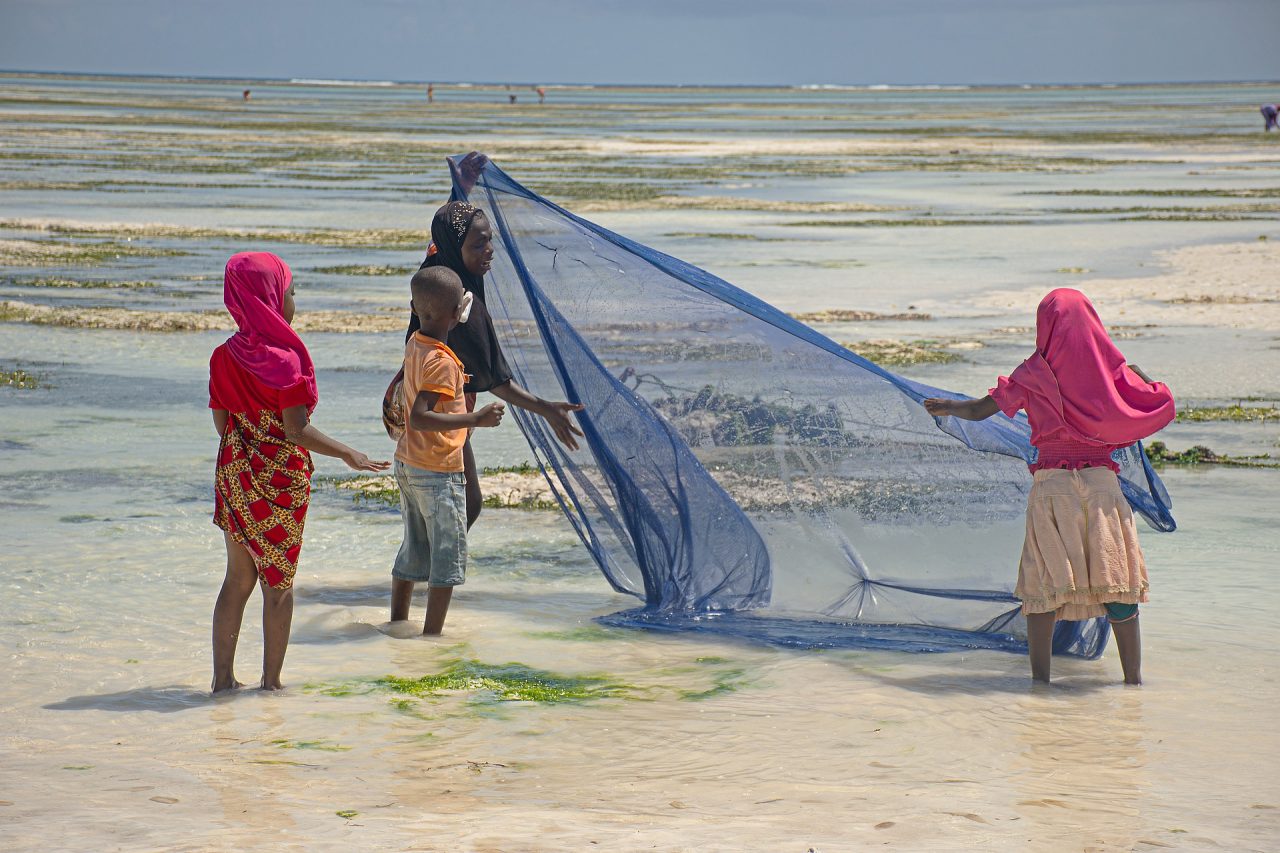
<point>307,81</point>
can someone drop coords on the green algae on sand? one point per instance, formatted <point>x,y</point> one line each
<point>365,238</point>
<point>907,353</point>
<point>846,315</point>
<point>78,284</point>
<point>724,681</point>
<point>520,487</point>
<point>107,317</point>
<point>510,682</point>
<point>916,222</point>
<point>1160,455</point>
<point>1201,414</point>
<point>39,253</point>
<point>364,269</point>
<point>320,745</point>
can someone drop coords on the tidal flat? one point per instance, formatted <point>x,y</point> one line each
<point>926,224</point>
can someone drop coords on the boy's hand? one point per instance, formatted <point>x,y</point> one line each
<point>490,415</point>
<point>939,408</point>
<point>358,461</point>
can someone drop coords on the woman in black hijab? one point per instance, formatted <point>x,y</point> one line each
<point>463,240</point>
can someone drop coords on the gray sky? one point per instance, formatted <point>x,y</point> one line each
<point>653,41</point>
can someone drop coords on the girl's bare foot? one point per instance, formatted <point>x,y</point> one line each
<point>216,689</point>
<point>272,685</point>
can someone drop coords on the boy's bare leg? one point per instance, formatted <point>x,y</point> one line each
<point>1040,644</point>
<point>228,613</point>
<point>1129,644</point>
<point>277,616</point>
<point>438,598</point>
<point>401,598</point>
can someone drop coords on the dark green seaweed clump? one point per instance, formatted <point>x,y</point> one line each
<point>20,379</point>
<point>730,420</point>
<point>1159,454</point>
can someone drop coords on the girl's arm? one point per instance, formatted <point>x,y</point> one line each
<point>298,429</point>
<point>556,414</point>
<point>1144,377</point>
<point>220,418</point>
<point>969,410</point>
<point>424,418</point>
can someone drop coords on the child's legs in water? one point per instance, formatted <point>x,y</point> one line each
<point>277,616</point>
<point>228,613</point>
<point>438,598</point>
<point>1124,624</point>
<point>401,598</point>
<point>1040,643</point>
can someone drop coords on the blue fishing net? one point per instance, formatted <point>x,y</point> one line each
<point>743,474</point>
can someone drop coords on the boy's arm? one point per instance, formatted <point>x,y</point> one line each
<point>220,418</point>
<point>969,410</point>
<point>424,418</point>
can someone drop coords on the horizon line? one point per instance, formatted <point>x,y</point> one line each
<point>356,81</point>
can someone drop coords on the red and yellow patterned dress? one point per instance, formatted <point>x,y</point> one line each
<point>262,483</point>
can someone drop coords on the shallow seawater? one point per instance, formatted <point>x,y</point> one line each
<point>110,566</point>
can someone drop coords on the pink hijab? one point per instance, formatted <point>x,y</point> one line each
<point>253,289</point>
<point>1078,381</point>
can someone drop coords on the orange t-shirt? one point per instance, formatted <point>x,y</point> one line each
<point>430,366</point>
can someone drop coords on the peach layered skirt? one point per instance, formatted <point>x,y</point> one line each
<point>1081,550</point>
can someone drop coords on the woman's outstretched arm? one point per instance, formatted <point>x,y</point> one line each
<point>556,414</point>
<point>969,410</point>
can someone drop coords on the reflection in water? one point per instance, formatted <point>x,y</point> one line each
<point>254,787</point>
<point>1080,773</point>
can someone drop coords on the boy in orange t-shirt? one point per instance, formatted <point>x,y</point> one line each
<point>428,465</point>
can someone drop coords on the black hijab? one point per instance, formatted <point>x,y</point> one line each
<point>474,342</point>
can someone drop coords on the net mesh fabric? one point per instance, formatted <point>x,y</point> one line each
<point>743,474</point>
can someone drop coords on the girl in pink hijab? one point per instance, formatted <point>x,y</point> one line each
<point>1081,557</point>
<point>262,390</point>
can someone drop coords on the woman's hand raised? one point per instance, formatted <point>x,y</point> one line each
<point>467,172</point>
<point>557,415</point>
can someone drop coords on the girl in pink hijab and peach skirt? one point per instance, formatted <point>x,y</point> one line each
<point>262,390</point>
<point>1081,557</point>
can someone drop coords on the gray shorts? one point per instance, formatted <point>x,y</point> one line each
<point>434,506</point>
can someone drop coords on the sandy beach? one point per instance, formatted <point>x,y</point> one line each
<point>530,725</point>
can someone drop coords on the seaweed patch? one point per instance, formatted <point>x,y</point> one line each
<point>488,683</point>
<point>1159,455</point>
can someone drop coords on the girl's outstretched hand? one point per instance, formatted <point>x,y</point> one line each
<point>938,407</point>
<point>359,462</point>
<point>557,415</point>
